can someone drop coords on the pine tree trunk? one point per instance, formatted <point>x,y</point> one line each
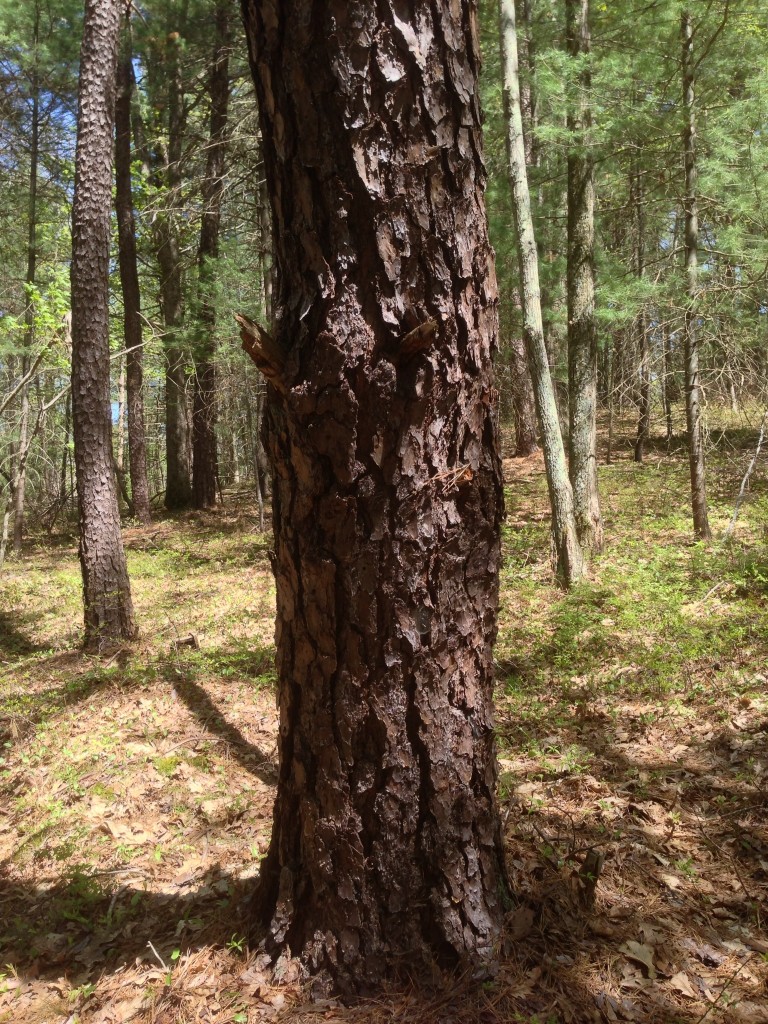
<point>19,491</point>
<point>523,402</point>
<point>178,477</point>
<point>386,843</point>
<point>582,325</point>
<point>641,323</point>
<point>204,463</point>
<point>106,592</point>
<point>129,279</point>
<point>701,527</point>
<point>666,351</point>
<point>569,559</point>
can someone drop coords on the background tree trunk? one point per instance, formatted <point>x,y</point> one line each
<point>641,322</point>
<point>204,464</point>
<point>582,326</point>
<point>386,843</point>
<point>167,81</point>
<point>690,338</point>
<point>129,280</point>
<point>106,591</point>
<point>19,491</point>
<point>523,402</point>
<point>568,555</point>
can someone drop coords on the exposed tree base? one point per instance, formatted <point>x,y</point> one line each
<point>413,945</point>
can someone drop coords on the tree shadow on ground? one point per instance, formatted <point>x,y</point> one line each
<point>93,920</point>
<point>247,754</point>
<point>21,710</point>
<point>14,641</point>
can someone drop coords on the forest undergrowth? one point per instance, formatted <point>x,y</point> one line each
<point>632,715</point>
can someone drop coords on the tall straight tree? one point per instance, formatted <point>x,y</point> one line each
<point>637,194</point>
<point>129,279</point>
<point>690,338</point>
<point>582,325</point>
<point>204,466</point>
<point>166,88</point>
<point>380,427</point>
<point>523,401</point>
<point>106,590</point>
<point>568,554</point>
<point>20,476</point>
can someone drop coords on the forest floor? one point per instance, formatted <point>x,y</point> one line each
<point>632,715</point>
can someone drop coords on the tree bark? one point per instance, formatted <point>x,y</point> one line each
<point>386,843</point>
<point>523,401</point>
<point>204,462</point>
<point>582,326</point>
<point>568,554</point>
<point>701,527</point>
<point>167,161</point>
<point>129,280</point>
<point>641,323</point>
<point>19,491</point>
<point>106,591</point>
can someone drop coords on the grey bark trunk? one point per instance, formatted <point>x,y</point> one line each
<point>582,325</point>
<point>568,554</point>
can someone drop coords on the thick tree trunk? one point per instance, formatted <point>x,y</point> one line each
<point>106,592</point>
<point>690,339</point>
<point>386,842</point>
<point>582,325</point>
<point>129,279</point>
<point>569,559</point>
<point>204,464</point>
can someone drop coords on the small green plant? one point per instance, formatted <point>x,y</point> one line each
<point>686,867</point>
<point>83,992</point>
<point>236,944</point>
<point>166,766</point>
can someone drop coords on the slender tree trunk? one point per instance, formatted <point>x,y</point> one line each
<point>666,391</point>
<point>641,322</point>
<point>65,450</point>
<point>609,399</point>
<point>252,426</point>
<point>582,325</point>
<point>385,846</point>
<point>106,591</point>
<point>129,279</point>
<point>166,81</point>
<point>523,401</point>
<point>569,559</point>
<point>19,492</point>
<point>701,527</point>
<point>204,464</point>
<point>120,443</point>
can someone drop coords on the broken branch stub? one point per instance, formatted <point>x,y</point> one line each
<point>263,350</point>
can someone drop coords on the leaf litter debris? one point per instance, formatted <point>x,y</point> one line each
<point>136,807</point>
